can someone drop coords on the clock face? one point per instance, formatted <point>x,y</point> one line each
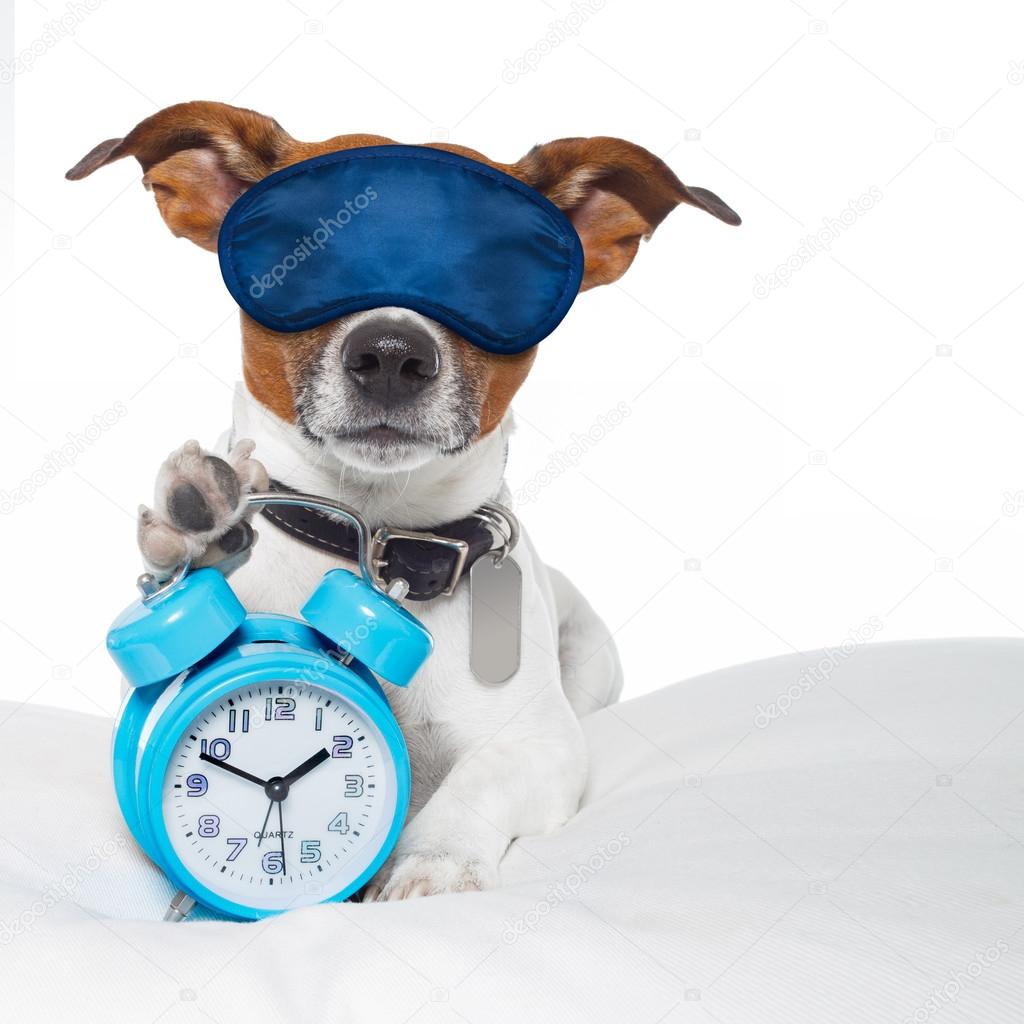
<point>311,809</point>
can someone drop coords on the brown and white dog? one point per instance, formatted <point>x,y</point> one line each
<point>489,764</point>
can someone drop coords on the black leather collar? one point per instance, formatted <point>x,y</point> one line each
<point>431,562</point>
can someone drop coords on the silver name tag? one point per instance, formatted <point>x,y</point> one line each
<point>495,619</point>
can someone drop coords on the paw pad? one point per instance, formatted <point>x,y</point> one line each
<point>188,509</point>
<point>200,513</point>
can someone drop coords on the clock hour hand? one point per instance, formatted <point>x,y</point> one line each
<point>231,768</point>
<point>307,766</point>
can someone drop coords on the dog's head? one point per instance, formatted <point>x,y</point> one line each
<point>388,389</point>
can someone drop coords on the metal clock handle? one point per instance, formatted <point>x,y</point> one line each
<point>334,508</point>
<point>150,587</point>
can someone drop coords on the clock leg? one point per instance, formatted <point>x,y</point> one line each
<point>180,906</point>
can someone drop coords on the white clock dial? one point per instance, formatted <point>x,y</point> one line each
<point>314,811</point>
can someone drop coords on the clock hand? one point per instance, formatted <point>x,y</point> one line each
<point>280,826</point>
<point>231,768</point>
<point>263,830</point>
<point>277,788</point>
<point>307,766</point>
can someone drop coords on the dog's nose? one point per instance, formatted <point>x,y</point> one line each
<point>390,363</point>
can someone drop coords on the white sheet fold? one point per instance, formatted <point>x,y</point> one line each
<point>857,858</point>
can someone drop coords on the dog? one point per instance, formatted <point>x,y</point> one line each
<point>400,417</point>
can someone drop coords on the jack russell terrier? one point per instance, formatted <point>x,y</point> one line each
<point>397,414</point>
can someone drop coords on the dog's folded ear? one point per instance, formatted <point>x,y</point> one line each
<point>615,193</point>
<point>197,158</point>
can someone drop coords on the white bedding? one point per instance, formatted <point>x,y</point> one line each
<point>860,858</point>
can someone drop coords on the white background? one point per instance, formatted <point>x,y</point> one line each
<point>791,466</point>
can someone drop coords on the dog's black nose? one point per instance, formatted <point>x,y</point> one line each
<point>391,363</point>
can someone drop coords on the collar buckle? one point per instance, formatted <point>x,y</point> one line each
<point>385,534</point>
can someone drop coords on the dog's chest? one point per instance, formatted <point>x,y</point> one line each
<point>446,710</point>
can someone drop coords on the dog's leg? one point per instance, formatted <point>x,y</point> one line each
<point>591,673</point>
<point>199,511</point>
<point>506,788</point>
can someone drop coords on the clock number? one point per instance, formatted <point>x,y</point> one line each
<point>197,785</point>
<point>237,846</point>
<point>353,785</point>
<point>340,823</point>
<point>209,826</point>
<point>280,709</point>
<point>319,719</point>
<point>342,746</point>
<point>232,720</point>
<point>273,862</point>
<point>309,850</point>
<point>219,749</point>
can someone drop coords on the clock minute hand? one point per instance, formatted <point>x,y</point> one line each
<point>231,768</point>
<point>307,766</point>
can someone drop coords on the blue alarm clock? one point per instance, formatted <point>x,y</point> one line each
<point>256,760</point>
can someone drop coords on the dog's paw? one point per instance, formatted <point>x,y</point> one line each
<point>429,874</point>
<point>200,514</point>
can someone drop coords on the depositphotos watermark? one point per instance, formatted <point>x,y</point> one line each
<point>53,32</point>
<point>566,889</point>
<point>321,669</point>
<point>1013,503</point>
<point>570,455</point>
<point>951,991</point>
<point>820,672</point>
<point>63,889</point>
<point>558,31</point>
<point>818,242</point>
<point>327,658</point>
<point>61,458</point>
<point>309,245</point>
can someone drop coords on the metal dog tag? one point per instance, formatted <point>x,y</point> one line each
<point>495,619</point>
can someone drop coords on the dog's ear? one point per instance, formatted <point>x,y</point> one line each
<point>615,193</point>
<point>197,158</point>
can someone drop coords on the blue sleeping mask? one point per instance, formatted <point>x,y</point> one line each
<point>448,237</point>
